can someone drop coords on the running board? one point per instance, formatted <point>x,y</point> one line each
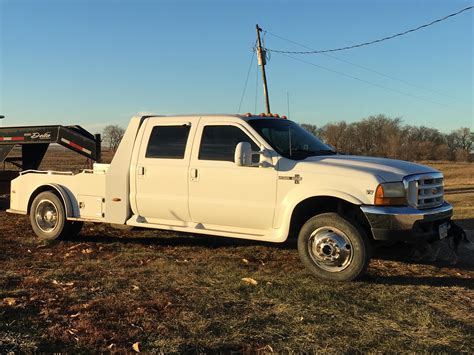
<point>199,228</point>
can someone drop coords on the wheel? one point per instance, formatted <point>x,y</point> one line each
<point>48,217</point>
<point>333,248</point>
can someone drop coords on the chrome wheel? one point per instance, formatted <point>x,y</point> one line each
<point>330,248</point>
<point>46,216</point>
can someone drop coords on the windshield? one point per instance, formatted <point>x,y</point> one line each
<point>289,139</point>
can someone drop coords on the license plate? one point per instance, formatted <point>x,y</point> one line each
<point>443,230</point>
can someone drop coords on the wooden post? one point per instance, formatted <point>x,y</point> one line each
<point>261,62</point>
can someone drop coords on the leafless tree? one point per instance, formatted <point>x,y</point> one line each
<point>335,134</point>
<point>113,134</point>
<point>384,136</point>
<point>461,139</point>
<point>313,129</point>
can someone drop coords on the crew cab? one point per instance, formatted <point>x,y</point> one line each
<point>243,176</point>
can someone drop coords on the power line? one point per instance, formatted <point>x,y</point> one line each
<point>362,80</point>
<point>246,81</point>
<point>364,67</point>
<point>374,41</point>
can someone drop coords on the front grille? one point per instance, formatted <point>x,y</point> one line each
<point>425,190</point>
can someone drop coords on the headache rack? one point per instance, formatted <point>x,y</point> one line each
<point>34,142</point>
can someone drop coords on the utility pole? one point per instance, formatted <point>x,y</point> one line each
<point>262,63</point>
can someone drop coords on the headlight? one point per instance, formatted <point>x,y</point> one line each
<point>390,194</point>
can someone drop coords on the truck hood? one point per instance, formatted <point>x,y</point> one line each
<point>351,165</point>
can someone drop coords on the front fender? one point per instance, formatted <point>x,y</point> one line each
<point>285,209</point>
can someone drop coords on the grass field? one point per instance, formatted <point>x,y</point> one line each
<point>110,289</point>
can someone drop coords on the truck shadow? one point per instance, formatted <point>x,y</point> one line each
<point>176,239</point>
<point>404,280</point>
<point>4,203</point>
<point>468,225</point>
<point>211,242</point>
<point>447,256</point>
<point>399,252</point>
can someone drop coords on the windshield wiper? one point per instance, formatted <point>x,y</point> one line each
<point>326,151</point>
<point>302,152</point>
<point>309,153</point>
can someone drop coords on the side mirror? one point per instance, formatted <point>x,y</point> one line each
<point>243,154</point>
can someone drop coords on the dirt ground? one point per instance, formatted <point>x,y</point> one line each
<point>110,290</point>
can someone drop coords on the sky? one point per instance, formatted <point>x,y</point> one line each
<point>95,63</point>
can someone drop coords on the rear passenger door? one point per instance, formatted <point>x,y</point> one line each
<point>162,171</point>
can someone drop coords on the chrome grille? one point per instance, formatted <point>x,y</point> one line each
<point>425,190</point>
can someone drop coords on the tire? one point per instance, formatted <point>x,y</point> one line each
<point>333,248</point>
<point>48,217</point>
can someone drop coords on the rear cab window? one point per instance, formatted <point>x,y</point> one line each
<point>168,142</point>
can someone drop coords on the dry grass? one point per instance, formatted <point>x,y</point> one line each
<point>459,188</point>
<point>457,174</point>
<point>179,293</point>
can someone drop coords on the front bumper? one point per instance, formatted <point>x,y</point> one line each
<point>406,223</point>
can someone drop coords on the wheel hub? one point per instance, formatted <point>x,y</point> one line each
<point>46,215</point>
<point>330,249</point>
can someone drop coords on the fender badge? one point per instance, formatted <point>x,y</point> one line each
<point>297,178</point>
<point>370,192</point>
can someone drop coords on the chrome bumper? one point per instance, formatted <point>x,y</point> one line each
<point>406,223</point>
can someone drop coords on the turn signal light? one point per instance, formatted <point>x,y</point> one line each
<point>390,194</point>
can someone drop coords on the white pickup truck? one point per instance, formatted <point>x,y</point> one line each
<point>243,176</point>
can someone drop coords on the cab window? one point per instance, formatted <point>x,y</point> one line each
<point>168,142</point>
<point>219,142</point>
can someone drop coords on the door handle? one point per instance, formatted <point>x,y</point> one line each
<point>141,170</point>
<point>194,174</point>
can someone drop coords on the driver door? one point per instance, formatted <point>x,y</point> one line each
<point>222,195</point>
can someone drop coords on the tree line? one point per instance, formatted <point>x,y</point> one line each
<point>378,135</point>
<point>388,137</point>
